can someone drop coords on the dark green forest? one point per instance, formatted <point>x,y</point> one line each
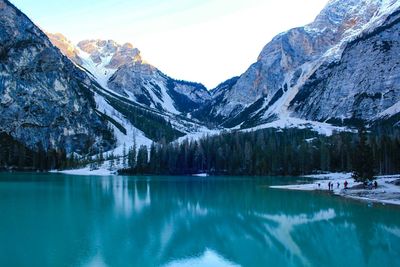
<point>16,156</point>
<point>263,152</point>
<point>271,152</point>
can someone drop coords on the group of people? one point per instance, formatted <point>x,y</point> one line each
<point>345,184</point>
<point>331,185</point>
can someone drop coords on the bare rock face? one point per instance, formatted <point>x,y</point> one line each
<point>65,46</point>
<point>147,85</point>
<point>45,99</point>
<point>115,54</point>
<point>362,84</point>
<point>267,88</point>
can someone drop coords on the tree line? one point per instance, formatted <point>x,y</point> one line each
<point>15,155</point>
<point>263,152</point>
<point>271,152</point>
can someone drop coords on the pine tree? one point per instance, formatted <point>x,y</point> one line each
<point>142,159</point>
<point>363,160</point>
<point>101,156</point>
<point>111,163</point>
<point>124,156</point>
<point>132,156</point>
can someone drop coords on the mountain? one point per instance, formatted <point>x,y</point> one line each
<point>340,69</point>
<point>65,46</point>
<point>46,101</point>
<point>363,85</point>
<point>121,69</point>
<point>141,102</point>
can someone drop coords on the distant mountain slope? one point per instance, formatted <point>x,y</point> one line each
<point>139,100</point>
<point>121,69</point>
<point>44,99</point>
<point>309,72</point>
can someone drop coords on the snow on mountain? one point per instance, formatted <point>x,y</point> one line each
<point>363,83</point>
<point>110,54</point>
<point>139,100</point>
<point>273,87</point>
<point>121,69</point>
<point>342,68</point>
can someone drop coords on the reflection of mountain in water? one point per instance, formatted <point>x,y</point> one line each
<point>160,222</point>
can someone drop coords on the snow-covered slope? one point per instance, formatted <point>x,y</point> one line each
<point>274,87</point>
<point>121,69</point>
<point>137,98</point>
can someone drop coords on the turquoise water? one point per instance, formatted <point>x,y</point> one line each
<point>58,220</point>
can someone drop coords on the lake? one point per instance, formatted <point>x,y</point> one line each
<point>60,220</point>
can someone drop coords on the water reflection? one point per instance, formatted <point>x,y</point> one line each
<point>209,258</point>
<point>127,198</point>
<point>282,227</point>
<point>181,221</point>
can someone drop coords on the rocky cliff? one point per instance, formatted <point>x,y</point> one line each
<point>44,99</point>
<point>330,69</point>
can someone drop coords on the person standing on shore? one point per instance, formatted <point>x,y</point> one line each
<point>329,186</point>
<point>345,184</point>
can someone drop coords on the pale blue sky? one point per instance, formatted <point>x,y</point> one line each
<point>206,41</point>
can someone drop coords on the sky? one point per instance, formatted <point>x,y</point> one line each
<point>207,41</point>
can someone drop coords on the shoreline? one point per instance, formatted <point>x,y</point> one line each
<point>386,192</point>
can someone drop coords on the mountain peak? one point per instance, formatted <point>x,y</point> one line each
<point>102,50</point>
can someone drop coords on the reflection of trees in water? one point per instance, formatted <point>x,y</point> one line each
<point>374,232</point>
<point>158,221</point>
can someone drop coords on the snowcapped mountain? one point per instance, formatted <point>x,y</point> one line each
<point>340,68</point>
<point>121,70</point>
<point>45,100</point>
<point>137,98</point>
<point>108,54</point>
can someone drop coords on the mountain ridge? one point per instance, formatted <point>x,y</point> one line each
<point>302,78</point>
<point>264,92</point>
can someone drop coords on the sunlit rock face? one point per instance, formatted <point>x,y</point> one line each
<point>44,99</point>
<point>116,54</point>
<point>266,89</point>
<point>65,46</point>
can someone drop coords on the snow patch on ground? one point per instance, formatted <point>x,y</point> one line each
<point>387,192</point>
<point>201,175</point>
<point>390,111</point>
<point>289,122</point>
<point>86,171</point>
<point>195,136</point>
<point>331,176</point>
<point>103,170</point>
